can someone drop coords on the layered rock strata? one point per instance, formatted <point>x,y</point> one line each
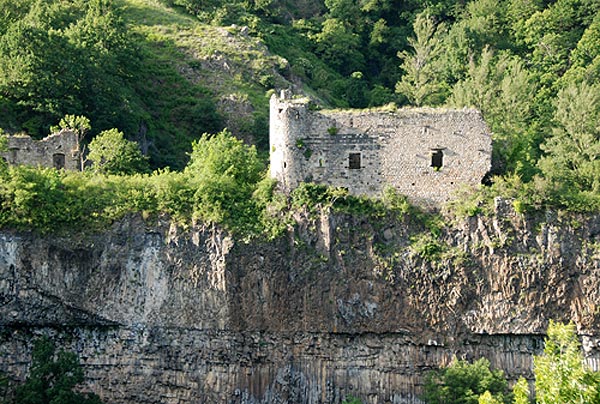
<point>340,306</point>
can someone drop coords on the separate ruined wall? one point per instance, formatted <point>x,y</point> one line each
<point>59,150</point>
<point>425,153</point>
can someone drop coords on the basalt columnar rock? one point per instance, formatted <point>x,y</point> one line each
<point>339,306</point>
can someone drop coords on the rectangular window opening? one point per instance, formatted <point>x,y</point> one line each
<point>437,159</point>
<point>14,151</point>
<point>354,161</point>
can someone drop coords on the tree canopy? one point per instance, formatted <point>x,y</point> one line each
<point>53,378</point>
<point>63,58</point>
<point>111,153</point>
<point>466,383</point>
<point>225,173</point>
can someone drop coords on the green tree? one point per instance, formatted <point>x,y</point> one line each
<point>64,57</point>
<point>346,10</point>
<point>53,378</point>
<point>572,159</point>
<point>521,391</point>
<point>224,172</point>
<point>339,46</point>
<point>517,13</point>
<point>422,82</point>
<point>585,58</point>
<point>78,124</point>
<point>500,87</point>
<point>464,383</point>
<point>487,24</point>
<point>560,375</point>
<point>111,153</point>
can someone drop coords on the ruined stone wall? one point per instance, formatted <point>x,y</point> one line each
<point>59,150</point>
<point>393,148</point>
<point>339,306</point>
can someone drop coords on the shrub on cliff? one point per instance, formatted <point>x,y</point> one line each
<point>224,173</point>
<point>465,383</point>
<point>111,153</point>
<point>560,374</point>
<point>53,377</point>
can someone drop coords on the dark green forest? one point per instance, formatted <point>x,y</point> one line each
<point>531,67</point>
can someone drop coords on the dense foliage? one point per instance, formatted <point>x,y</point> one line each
<point>466,383</point>
<point>223,173</point>
<point>111,153</point>
<point>79,57</point>
<point>63,57</point>
<point>53,378</point>
<point>560,373</point>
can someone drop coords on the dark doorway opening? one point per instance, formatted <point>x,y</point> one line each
<point>58,161</point>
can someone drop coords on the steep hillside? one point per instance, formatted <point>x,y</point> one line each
<point>236,68</point>
<point>155,73</point>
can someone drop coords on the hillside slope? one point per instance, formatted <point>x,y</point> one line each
<point>236,68</point>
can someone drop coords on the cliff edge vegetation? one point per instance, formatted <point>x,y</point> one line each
<point>165,72</point>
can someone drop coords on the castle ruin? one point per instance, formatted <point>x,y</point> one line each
<point>424,153</point>
<point>59,150</point>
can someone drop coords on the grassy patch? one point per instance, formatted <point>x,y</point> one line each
<point>220,64</point>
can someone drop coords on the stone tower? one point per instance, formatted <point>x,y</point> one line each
<point>287,119</point>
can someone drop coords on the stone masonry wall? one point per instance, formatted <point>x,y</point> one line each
<point>393,148</point>
<point>59,150</point>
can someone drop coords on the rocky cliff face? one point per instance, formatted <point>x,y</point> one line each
<point>340,306</point>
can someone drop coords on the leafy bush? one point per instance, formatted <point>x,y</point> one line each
<point>560,373</point>
<point>53,378</point>
<point>464,383</point>
<point>396,202</point>
<point>111,153</point>
<point>427,246</point>
<point>224,173</point>
<point>521,391</point>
